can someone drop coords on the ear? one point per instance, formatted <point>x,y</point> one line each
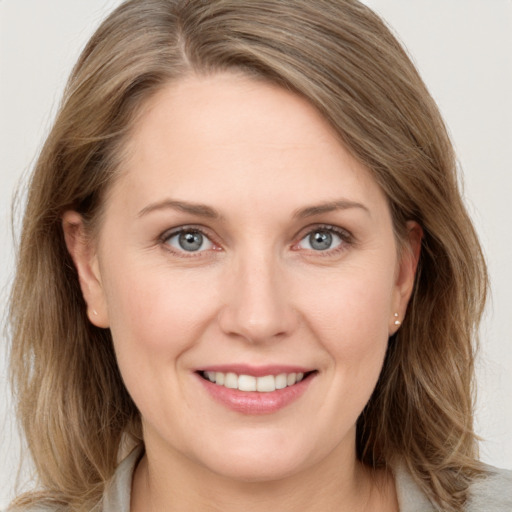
<point>406,272</point>
<point>85,259</point>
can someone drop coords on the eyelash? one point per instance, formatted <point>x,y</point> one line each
<point>345,236</point>
<point>165,237</point>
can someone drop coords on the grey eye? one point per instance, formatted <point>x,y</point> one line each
<point>189,241</point>
<point>320,240</point>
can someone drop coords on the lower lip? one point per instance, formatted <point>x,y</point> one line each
<point>254,402</point>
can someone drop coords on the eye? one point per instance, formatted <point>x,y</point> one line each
<point>189,240</point>
<point>322,239</point>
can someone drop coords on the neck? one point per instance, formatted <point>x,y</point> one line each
<point>339,483</point>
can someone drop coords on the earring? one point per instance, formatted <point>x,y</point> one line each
<point>95,313</point>
<point>397,322</point>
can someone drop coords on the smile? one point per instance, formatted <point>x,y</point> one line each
<point>250,390</point>
<point>247,383</point>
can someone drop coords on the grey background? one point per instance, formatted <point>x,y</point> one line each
<point>463,50</point>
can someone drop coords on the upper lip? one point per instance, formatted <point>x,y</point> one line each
<point>256,371</point>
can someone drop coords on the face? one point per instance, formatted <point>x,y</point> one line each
<point>243,247</point>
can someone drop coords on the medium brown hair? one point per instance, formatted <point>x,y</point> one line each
<point>342,58</point>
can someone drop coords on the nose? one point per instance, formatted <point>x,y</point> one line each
<point>257,304</point>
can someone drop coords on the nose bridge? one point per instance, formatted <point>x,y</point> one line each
<point>258,306</point>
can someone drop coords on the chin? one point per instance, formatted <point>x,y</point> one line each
<point>259,462</point>
<point>256,469</point>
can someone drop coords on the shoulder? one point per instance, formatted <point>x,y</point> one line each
<point>410,497</point>
<point>116,497</point>
<point>37,507</point>
<point>492,493</point>
<point>117,493</point>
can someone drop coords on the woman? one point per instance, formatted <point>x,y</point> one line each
<point>246,264</point>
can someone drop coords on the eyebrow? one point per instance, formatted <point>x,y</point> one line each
<point>331,206</point>
<point>203,210</point>
<point>198,209</point>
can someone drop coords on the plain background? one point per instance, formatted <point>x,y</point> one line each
<point>463,50</point>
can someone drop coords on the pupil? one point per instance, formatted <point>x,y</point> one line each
<point>191,241</point>
<point>320,240</point>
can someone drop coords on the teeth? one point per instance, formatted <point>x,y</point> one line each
<point>265,384</point>
<point>231,381</point>
<point>246,383</point>
<point>281,381</point>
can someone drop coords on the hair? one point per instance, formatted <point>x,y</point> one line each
<point>341,57</point>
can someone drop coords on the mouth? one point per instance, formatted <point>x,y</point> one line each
<point>251,383</point>
<point>256,391</point>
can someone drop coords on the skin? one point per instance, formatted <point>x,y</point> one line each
<point>257,292</point>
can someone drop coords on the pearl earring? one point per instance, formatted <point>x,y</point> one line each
<point>397,322</point>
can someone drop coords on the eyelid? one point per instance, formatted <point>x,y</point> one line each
<point>346,237</point>
<point>172,232</point>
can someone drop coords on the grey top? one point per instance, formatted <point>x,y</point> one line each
<point>491,494</point>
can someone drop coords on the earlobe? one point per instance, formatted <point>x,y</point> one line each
<point>85,260</point>
<point>408,264</point>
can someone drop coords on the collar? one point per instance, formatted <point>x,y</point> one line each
<point>117,494</point>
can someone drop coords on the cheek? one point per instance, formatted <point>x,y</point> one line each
<point>349,316</point>
<point>155,316</point>
<point>355,302</point>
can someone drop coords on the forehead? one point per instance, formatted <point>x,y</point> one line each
<point>210,137</point>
